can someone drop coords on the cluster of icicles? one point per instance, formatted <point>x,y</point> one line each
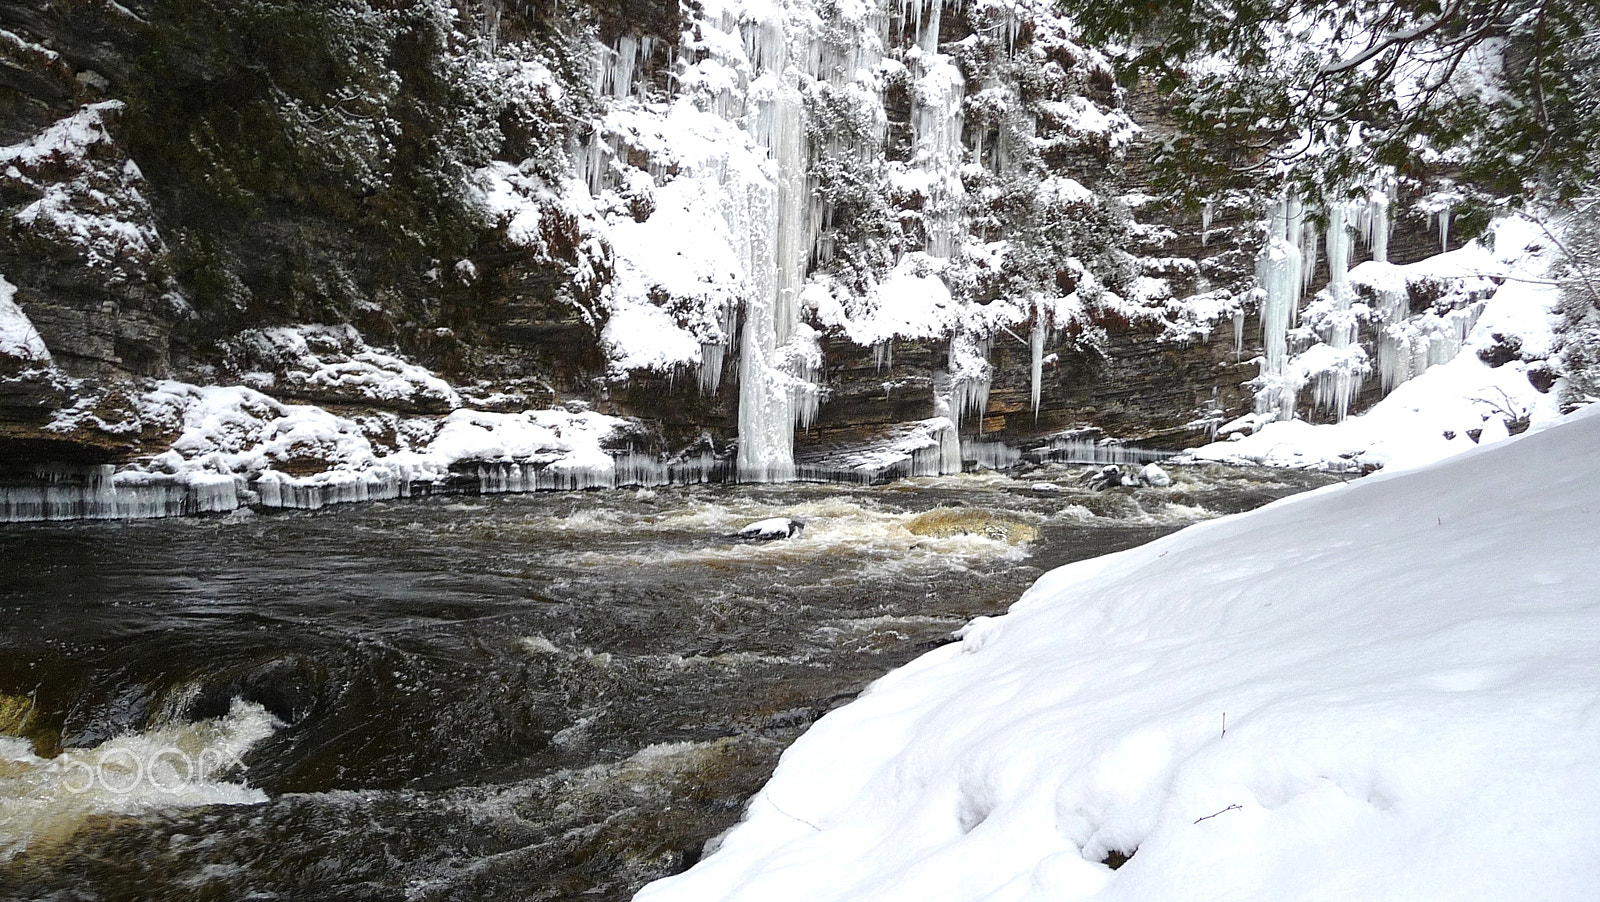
<point>1335,366</point>
<point>781,223</point>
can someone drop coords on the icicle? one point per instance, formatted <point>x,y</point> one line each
<point>778,356</point>
<point>968,377</point>
<point>883,354</point>
<point>1308,259</point>
<point>1293,233</point>
<point>991,455</point>
<point>930,35</point>
<point>1205,222</point>
<point>1377,222</point>
<point>617,77</point>
<point>1278,273</point>
<point>1444,230</point>
<point>1337,386</point>
<point>1036,347</point>
<point>711,356</point>
<point>949,450</point>
<point>1090,447</point>
<point>96,493</point>
<point>937,123</point>
<point>1393,309</point>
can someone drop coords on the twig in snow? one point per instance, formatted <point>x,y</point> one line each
<point>800,819</point>
<point>1223,811</point>
<point>1224,726</point>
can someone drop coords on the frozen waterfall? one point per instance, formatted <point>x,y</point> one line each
<point>1342,367</point>
<point>1325,353</point>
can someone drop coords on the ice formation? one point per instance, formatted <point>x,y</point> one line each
<point>1342,366</point>
<point>1036,343</point>
<point>704,187</point>
<point>1441,397</point>
<point>98,493</point>
<point>968,376</point>
<point>1278,271</point>
<point>936,119</point>
<point>1326,354</point>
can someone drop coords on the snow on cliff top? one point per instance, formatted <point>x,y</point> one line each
<point>1406,666</point>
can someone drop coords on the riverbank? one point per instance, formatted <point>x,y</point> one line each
<point>1380,690</point>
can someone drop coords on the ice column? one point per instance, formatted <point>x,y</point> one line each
<point>924,17</point>
<point>1395,338</point>
<point>1338,382</point>
<point>936,121</point>
<point>1278,272</point>
<point>1375,223</point>
<point>1036,343</point>
<point>779,357</point>
<point>1308,257</point>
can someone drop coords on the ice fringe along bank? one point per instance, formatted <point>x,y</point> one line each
<point>237,447</point>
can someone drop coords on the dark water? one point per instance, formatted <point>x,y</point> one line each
<point>548,696</point>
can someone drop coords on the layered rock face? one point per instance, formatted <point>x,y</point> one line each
<point>798,228</point>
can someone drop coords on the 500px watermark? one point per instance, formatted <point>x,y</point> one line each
<point>165,770</point>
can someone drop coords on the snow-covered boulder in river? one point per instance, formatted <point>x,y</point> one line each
<point>1381,690</point>
<point>1153,475</point>
<point>773,528</point>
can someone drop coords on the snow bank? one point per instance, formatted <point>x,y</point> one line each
<point>1380,690</point>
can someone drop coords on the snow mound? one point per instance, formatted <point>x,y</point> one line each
<point>1379,690</point>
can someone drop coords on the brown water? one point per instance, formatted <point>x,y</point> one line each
<point>544,696</point>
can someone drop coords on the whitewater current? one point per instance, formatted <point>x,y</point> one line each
<point>544,696</point>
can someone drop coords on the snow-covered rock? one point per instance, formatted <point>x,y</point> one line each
<point>1380,690</point>
<point>334,363</point>
<point>1153,475</point>
<point>773,528</point>
<point>1113,476</point>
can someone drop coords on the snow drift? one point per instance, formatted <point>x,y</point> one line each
<point>1380,690</point>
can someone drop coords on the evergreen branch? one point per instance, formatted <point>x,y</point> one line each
<point>1394,39</point>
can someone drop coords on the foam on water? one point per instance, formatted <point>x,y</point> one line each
<point>44,801</point>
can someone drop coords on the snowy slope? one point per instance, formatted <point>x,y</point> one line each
<point>1406,663</point>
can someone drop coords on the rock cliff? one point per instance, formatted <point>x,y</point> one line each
<point>795,227</point>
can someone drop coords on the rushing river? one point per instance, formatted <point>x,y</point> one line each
<point>545,696</point>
